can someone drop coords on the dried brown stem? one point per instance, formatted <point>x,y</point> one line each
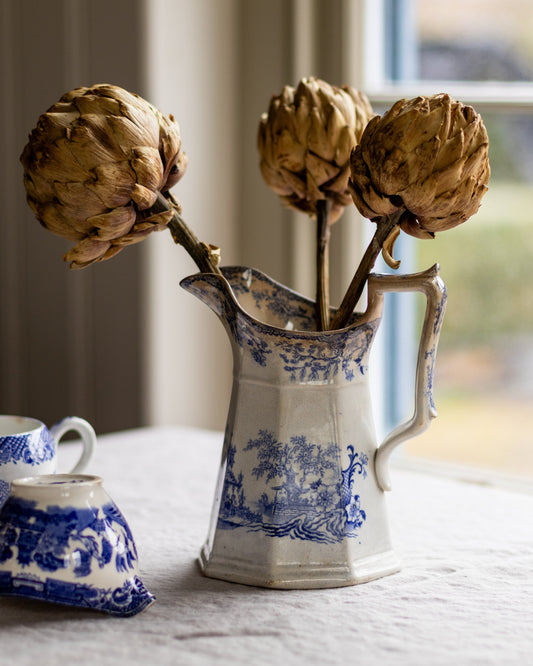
<point>384,225</point>
<point>323,208</point>
<point>183,235</point>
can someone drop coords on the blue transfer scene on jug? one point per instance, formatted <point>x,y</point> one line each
<point>301,494</point>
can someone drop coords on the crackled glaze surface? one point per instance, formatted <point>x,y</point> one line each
<point>298,501</point>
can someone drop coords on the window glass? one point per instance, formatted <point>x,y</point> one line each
<point>478,40</point>
<point>484,373</point>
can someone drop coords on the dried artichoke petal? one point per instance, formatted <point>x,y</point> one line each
<point>305,141</point>
<point>428,155</point>
<point>95,161</point>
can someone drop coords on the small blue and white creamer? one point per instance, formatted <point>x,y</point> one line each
<point>28,448</point>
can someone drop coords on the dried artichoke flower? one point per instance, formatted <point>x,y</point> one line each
<point>427,156</point>
<point>305,141</point>
<point>424,166</point>
<point>96,168</point>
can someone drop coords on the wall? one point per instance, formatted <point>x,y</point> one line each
<point>69,342</point>
<point>192,73</point>
<point>217,86</point>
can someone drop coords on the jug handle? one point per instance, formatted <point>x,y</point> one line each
<point>430,283</point>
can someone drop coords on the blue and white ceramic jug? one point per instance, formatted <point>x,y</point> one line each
<point>300,497</point>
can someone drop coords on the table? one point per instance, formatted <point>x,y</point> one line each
<point>464,595</point>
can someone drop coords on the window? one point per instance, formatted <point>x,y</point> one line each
<point>481,52</point>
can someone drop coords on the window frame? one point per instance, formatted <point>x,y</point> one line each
<point>387,75</point>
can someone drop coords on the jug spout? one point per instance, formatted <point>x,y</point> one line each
<point>213,290</point>
<point>249,295</point>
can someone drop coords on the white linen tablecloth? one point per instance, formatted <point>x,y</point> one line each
<point>463,597</point>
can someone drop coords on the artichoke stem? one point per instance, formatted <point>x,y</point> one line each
<point>323,208</point>
<point>183,235</point>
<point>385,225</point>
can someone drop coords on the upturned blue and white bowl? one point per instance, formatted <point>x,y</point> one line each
<point>63,540</point>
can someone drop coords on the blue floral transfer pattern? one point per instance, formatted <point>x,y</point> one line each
<point>30,449</point>
<point>43,538</point>
<point>322,359</point>
<point>128,600</point>
<point>269,297</point>
<point>277,327</point>
<point>80,539</point>
<point>4,491</point>
<point>305,493</point>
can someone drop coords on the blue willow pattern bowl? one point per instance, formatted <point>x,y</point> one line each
<point>63,540</point>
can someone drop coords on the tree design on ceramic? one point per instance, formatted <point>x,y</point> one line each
<point>58,538</point>
<point>303,495</point>
<point>45,537</point>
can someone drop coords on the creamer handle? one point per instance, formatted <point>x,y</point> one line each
<point>85,431</point>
